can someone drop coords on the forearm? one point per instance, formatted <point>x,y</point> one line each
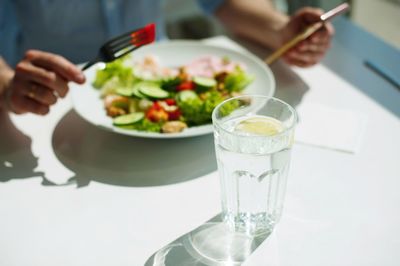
<point>6,74</point>
<point>256,20</point>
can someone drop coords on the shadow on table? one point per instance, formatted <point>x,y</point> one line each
<point>102,156</point>
<point>289,86</point>
<point>210,244</point>
<point>16,158</point>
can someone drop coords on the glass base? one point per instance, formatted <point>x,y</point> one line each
<point>250,223</point>
<point>218,244</point>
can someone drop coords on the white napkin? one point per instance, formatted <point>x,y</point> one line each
<point>328,127</point>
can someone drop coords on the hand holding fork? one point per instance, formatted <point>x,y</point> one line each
<point>40,78</point>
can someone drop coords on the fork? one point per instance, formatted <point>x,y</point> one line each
<point>124,44</point>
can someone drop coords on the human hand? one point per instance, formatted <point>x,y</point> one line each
<point>38,81</point>
<point>310,51</point>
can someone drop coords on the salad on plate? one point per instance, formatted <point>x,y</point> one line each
<point>146,96</point>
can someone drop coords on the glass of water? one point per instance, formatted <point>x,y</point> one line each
<point>253,140</point>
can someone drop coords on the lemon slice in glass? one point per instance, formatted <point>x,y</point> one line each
<point>260,125</point>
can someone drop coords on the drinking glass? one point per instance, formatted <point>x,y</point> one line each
<point>253,140</point>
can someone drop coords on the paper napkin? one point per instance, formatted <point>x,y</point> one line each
<point>328,127</point>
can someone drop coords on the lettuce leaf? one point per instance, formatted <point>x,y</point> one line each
<point>116,69</point>
<point>237,80</point>
<point>144,125</point>
<point>196,111</point>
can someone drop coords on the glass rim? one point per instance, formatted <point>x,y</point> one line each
<point>286,129</point>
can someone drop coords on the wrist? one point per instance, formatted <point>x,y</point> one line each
<point>278,28</point>
<point>6,75</point>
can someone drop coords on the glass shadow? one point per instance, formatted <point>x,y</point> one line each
<point>210,244</point>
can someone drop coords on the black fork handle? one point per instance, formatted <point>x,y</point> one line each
<point>90,63</point>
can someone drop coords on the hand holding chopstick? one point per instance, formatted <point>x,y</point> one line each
<point>307,32</point>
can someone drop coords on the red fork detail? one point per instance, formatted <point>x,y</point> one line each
<point>145,35</point>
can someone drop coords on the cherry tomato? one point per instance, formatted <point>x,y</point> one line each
<point>157,115</point>
<point>174,115</point>
<point>157,106</point>
<point>170,101</point>
<point>187,85</point>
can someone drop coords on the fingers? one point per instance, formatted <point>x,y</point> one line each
<point>306,54</point>
<point>309,14</point>
<point>330,30</point>
<point>29,105</point>
<point>57,64</point>
<point>324,34</point>
<point>311,47</point>
<point>39,79</point>
<point>311,50</point>
<point>303,58</point>
<point>23,101</point>
<point>41,94</point>
<point>46,78</point>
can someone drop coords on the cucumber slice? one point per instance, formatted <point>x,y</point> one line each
<point>136,93</point>
<point>131,92</point>
<point>136,89</point>
<point>128,119</point>
<point>124,91</point>
<point>204,83</point>
<point>152,90</point>
<point>183,96</point>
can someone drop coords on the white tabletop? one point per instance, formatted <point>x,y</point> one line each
<point>73,194</point>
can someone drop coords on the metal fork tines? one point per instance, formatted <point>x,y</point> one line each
<point>119,46</point>
<point>124,44</point>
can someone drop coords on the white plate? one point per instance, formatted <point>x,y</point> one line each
<point>90,106</point>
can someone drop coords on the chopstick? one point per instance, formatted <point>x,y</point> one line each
<point>307,32</point>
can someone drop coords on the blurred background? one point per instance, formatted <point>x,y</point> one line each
<point>379,17</point>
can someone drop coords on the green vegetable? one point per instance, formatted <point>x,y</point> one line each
<point>170,84</point>
<point>192,111</point>
<point>143,89</point>
<point>133,105</point>
<point>204,84</point>
<point>144,125</point>
<point>229,107</point>
<point>136,92</point>
<point>114,69</point>
<point>186,95</point>
<point>212,100</point>
<point>124,91</point>
<point>197,111</point>
<point>128,119</point>
<point>196,101</point>
<point>237,80</point>
<point>152,90</point>
<point>121,104</point>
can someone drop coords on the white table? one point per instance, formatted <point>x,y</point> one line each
<point>73,194</point>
